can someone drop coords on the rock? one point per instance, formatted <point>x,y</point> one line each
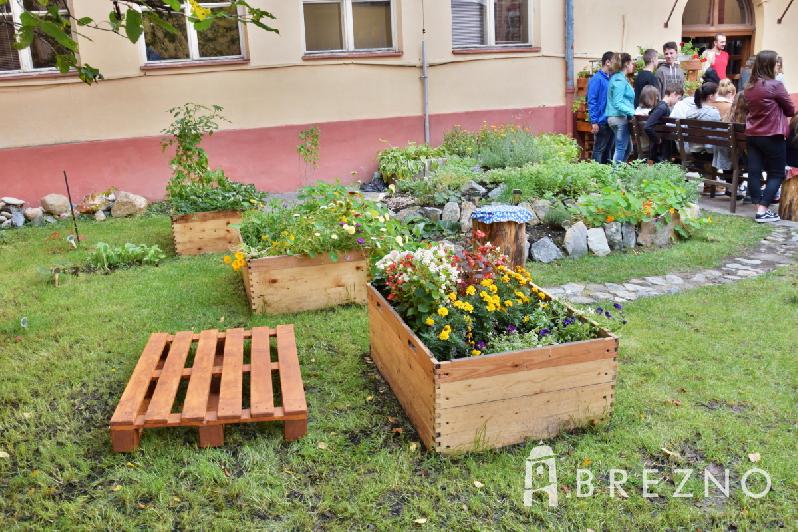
<point>576,240</point>
<point>541,208</point>
<point>128,204</point>
<point>403,215</point>
<point>398,202</point>
<point>664,233</point>
<point>628,235</point>
<point>55,204</point>
<point>614,233</point>
<point>17,219</point>
<point>645,236</point>
<point>99,216</point>
<point>473,189</point>
<point>573,288</point>
<point>6,224</point>
<point>545,251</point>
<point>528,206</point>
<point>50,219</point>
<point>95,202</point>
<point>33,213</point>
<point>14,202</point>
<point>466,209</point>
<point>691,211</point>
<point>451,212</point>
<point>597,242</point>
<point>498,191</point>
<point>431,213</point>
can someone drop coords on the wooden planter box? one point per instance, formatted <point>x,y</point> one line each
<point>205,232</point>
<point>277,285</point>
<point>492,400</point>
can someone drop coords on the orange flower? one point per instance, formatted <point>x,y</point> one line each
<point>610,219</point>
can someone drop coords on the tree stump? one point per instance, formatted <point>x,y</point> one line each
<point>504,226</point>
<point>788,204</point>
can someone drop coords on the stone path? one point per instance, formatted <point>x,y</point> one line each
<point>777,249</point>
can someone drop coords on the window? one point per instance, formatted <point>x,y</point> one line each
<point>41,54</point>
<point>490,23</point>
<point>221,40</point>
<point>348,25</point>
<point>717,12</point>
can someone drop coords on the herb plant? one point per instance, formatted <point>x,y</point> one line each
<point>402,163</point>
<point>107,258</point>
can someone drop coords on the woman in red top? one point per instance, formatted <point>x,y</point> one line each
<point>766,129</point>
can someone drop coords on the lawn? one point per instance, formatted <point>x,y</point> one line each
<point>706,378</point>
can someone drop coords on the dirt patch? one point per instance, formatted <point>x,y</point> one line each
<point>737,408</point>
<point>536,232</point>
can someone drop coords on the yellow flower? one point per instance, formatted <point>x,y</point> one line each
<point>349,229</point>
<point>444,335</point>
<point>526,318</point>
<point>453,296</point>
<point>343,219</point>
<point>493,288</point>
<point>430,322</point>
<point>475,352</point>
<point>239,255</point>
<point>471,290</point>
<point>443,312</point>
<point>508,303</point>
<point>227,259</point>
<point>506,279</point>
<point>541,295</point>
<point>486,282</point>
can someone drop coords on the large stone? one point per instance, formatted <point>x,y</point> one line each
<point>597,242</point>
<point>614,234</point>
<point>33,213</point>
<point>95,202</point>
<point>14,202</point>
<point>17,219</point>
<point>99,216</point>
<point>432,213</point>
<point>541,208</point>
<point>473,189</point>
<point>692,211</point>
<point>466,209</point>
<point>629,235</point>
<point>576,240</point>
<point>498,191</point>
<point>403,215</point>
<point>451,212</point>
<point>128,204</point>
<point>545,251</point>
<point>645,236</point>
<point>55,204</point>
<point>664,233</point>
<point>528,206</point>
<point>6,224</point>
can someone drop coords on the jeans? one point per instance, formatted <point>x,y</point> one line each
<point>603,144</point>
<point>769,154</point>
<point>622,129</point>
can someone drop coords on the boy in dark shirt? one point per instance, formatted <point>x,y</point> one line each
<point>661,151</point>
<point>646,76</point>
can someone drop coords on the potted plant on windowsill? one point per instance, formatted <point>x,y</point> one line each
<point>205,204</point>
<point>479,356</point>
<point>315,254</point>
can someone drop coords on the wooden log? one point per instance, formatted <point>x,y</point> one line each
<point>788,204</point>
<point>509,236</point>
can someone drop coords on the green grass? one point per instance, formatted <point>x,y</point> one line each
<point>699,374</point>
<point>724,237</point>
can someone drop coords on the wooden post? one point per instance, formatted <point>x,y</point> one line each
<point>509,236</point>
<point>788,204</point>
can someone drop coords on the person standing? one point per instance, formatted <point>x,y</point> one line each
<point>717,57</point>
<point>620,104</point>
<point>669,73</point>
<point>766,130</point>
<point>597,109</point>
<point>646,76</point>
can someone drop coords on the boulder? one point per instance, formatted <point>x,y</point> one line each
<point>451,212</point>
<point>528,206</point>
<point>33,213</point>
<point>431,213</point>
<point>403,215</point>
<point>50,219</point>
<point>99,216</point>
<point>95,202</point>
<point>664,232</point>
<point>6,224</point>
<point>645,235</point>
<point>545,251</point>
<point>17,219</point>
<point>55,204</point>
<point>466,209</point>
<point>498,191</point>
<point>128,204</point>
<point>541,208</point>
<point>597,242</point>
<point>13,202</point>
<point>473,189</point>
<point>628,235</point>
<point>614,233</point>
<point>576,240</point>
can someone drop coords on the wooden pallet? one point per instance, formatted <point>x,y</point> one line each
<point>216,394</point>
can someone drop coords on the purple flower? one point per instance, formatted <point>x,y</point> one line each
<point>607,314</point>
<point>599,310</point>
<point>544,332</point>
<point>618,306</point>
<point>341,223</point>
<point>511,329</point>
<point>358,225</point>
<point>481,345</point>
<point>567,321</point>
<point>361,241</point>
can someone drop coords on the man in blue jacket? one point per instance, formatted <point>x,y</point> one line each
<point>603,137</point>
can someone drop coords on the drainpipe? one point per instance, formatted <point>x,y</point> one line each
<point>425,72</point>
<point>569,65</point>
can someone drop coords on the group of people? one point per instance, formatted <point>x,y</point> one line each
<point>658,92</point>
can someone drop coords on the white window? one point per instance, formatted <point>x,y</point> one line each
<point>348,25</point>
<point>221,40</point>
<point>41,54</point>
<point>490,23</point>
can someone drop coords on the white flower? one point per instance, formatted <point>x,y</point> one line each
<point>334,237</point>
<point>399,239</point>
<point>317,234</point>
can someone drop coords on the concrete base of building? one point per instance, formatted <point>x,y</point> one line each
<point>266,157</point>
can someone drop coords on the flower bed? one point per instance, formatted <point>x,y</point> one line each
<point>479,356</point>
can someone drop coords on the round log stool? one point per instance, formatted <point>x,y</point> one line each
<point>788,205</point>
<point>503,226</point>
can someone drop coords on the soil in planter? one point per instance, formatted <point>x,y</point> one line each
<point>536,232</point>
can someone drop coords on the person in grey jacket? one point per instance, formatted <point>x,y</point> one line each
<point>670,74</point>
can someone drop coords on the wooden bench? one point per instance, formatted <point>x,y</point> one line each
<point>215,394</point>
<point>706,132</point>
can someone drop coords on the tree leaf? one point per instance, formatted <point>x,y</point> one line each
<point>85,21</point>
<point>160,22</point>
<point>58,34</point>
<point>133,25</point>
<point>173,4</point>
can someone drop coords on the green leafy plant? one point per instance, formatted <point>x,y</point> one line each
<point>460,142</point>
<point>445,182</point>
<point>402,163</point>
<point>107,258</point>
<point>511,146</point>
<point>308,147</point>
<point>688,48</point>
<point>578,104</point>
<point>558,215</point>
<point>552,179</point>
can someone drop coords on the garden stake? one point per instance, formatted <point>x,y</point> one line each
<point>72,210</point>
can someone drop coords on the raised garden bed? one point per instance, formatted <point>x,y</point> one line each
<point>283,284</point>
<point>492,400</point>
<point>205,232</point>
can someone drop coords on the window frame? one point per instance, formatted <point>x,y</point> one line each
<point>192,39</point>
<point>25,56</point>
<point>490,29</point>
<point>347,29</point>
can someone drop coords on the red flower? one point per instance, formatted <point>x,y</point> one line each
<point>695,56</point>
<point>681,44</point>
<point>703,59</point>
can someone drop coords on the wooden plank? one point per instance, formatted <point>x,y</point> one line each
<point>196,404</point>
<point>541,357</point>
<point>261,395</point>
<point>208,232</point>
<point>525,383</point>
<point>293,391</point>
<point>287,262</point>
<point>231,389</point>
<point>166,388</point>
<point>212,418</point>
<point>205,216</point>
<point>130,402</point>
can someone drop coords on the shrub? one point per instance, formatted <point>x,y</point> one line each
<point>402,163</point>
<point>444,184</point>
<point>557,215</point>
<point>106,258</point>
<point>552,179</point>
<point>460,142</point>
<point>215,192</point>
<point>511,146</point>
